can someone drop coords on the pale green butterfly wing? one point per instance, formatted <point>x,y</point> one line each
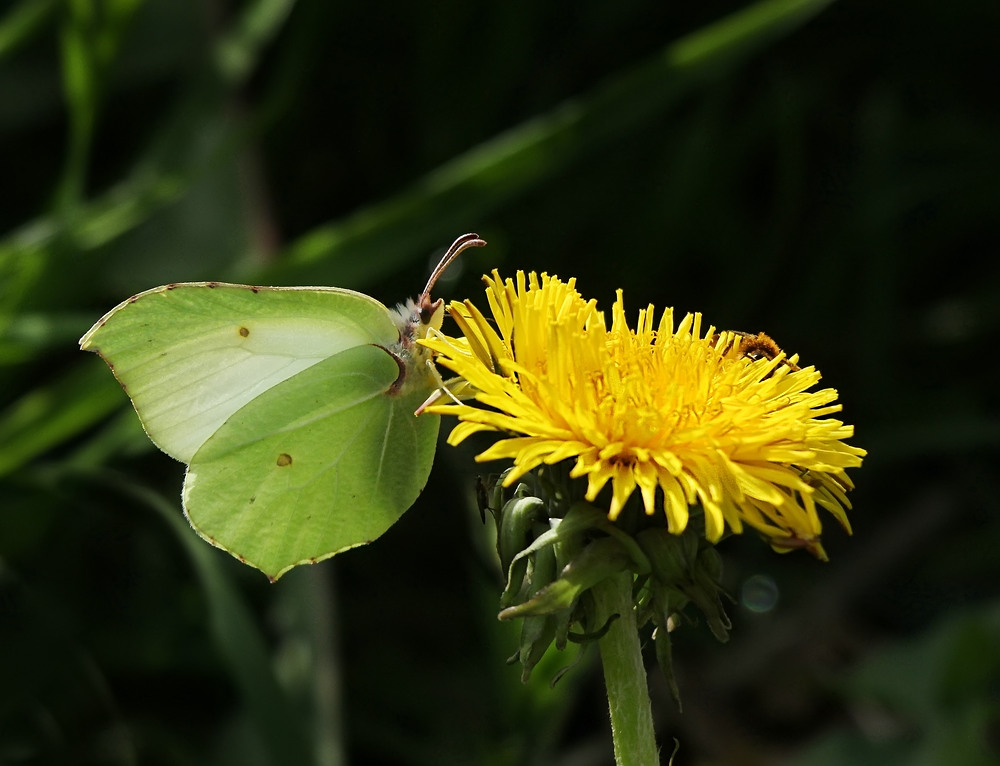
<point>322,462</point>
<point>223,375</point>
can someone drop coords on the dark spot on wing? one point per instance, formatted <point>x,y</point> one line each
<point>244,332</point>
<point>213,284</point>
<point>284,459</point>
<point>253,499</point>
<point>172,286</point>
<point>254,289</point>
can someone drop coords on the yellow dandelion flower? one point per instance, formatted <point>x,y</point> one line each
<point>685,416</point>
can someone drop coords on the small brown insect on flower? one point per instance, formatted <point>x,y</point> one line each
<point>755,347</point>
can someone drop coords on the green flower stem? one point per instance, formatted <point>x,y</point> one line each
<point>625,676</point>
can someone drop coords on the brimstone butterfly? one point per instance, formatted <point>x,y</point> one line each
<point>293,408</point>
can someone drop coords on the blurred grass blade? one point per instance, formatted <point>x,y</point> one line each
<point>239,640</point>
<point>307,615</point>
<point>460,193</point>
<point>21,22</point>
<point>29,336</point>
<point>237,52</point>
<point>743,31</point>
<point>90,38</point>
<point>22,265</point>
<point>47,415</point>
<point>160,177</point>
<point>80,87</point>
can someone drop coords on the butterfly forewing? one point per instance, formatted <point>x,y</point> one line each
<point>190,355</point>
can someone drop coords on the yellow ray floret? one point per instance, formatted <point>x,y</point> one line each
<point>671,410</point>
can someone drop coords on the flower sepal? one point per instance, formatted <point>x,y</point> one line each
<point>554,551</point>
<point>598,560</point>
<point>685,569</point>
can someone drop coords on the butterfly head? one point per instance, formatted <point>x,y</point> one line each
<point>415,317</point>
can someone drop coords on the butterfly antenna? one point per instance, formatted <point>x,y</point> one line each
<point>460,244</point>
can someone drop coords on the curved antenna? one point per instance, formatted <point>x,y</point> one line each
<point>460,244</point>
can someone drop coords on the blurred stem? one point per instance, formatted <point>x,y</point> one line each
<point>277,723</point>
<point>81,86</point>
<point>625,676</point>
<point>320,599</point>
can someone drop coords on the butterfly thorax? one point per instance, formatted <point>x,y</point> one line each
<point>414,319</point>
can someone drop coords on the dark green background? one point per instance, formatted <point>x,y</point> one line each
<point>825,172</point>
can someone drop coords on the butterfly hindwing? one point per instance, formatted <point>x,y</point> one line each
<point>333,462</point>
